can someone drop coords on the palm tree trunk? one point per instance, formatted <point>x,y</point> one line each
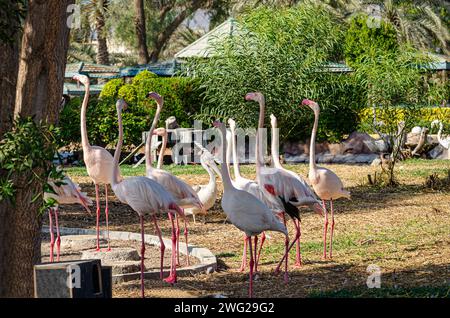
<point>141,31</point>
<point>102,51</point>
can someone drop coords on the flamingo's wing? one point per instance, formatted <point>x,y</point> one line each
<point>182,192</point>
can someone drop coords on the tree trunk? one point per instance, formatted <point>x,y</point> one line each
<point>43,60</point>
<point>164,36</point>
<point>102,50</point>
<point>141,31</point>
<point>39,90</point>
<point>9,57</point>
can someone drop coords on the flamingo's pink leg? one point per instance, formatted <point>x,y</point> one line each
<point>52,236</point>
<point>256,251</point>
<point>142,255</point>
<point>250,290</point>
<point>263,239</point>
<point>332,228</point>
<point>286,255</point>
<point>163,247</point>
<point>97,200</point>
<point>107,217</point>
<point>298,255</point>
<point>178,240</point>
<point>325,229</point>
<point>187,245</point>
<point>58,236</point>
<point>244,255</point>
<point>286,275</point>
<point>172,279</point>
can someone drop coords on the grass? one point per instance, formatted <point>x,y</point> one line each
<point>403,230</point>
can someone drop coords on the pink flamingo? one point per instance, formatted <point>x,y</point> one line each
<point>66,193</point>
<point>98,161</point>
<point>183,193</point>
<point>245,211</point>
<point>293,191</point>
<point>252,187</point>
<point>325,182</point>
<point>145,195</point>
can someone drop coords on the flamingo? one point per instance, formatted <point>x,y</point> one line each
<point>444,142</point>
<point>98,161</point>
<point>245,211</point>
<point>183,193</point>
<point>325,182</point>
<point>251,187</point>
<point>66,193</point>
<point>207,193</point>
<point>292,190</point>
<point>145,195</point>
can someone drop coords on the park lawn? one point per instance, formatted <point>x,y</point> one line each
<point>405,231</point>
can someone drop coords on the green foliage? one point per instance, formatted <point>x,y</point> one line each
<point>362,37</point>
<point>26,153</point>
<point>144,75</point>
<point>281,53</point>
<point>180,100</point>
<point>111,89</point>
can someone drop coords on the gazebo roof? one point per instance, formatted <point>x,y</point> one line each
<point>202,47</point>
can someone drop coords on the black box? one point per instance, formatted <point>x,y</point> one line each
<point>72,279</point>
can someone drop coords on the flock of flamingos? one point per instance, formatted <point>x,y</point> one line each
<point>253,206</point>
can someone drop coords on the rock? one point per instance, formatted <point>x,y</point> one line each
<point>438,152</point>
<point>336,149</point>
<point>126,267</point>
<point>355,143</point>
<point>376,146</point>
<point>80,242</point>
<point>115,255</point>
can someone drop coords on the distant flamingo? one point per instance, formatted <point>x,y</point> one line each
<point>207,193</point>
<point>444,142</point>
<point>245,211</point>
<point>292,190</point>
<point>183,193</point>
<point>98,161</point>
<point>67,193</point>
<point>325,182</point>
<point>252,187</point>
<point>145,195</point>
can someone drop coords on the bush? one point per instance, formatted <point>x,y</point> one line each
<point>181,101</point>
<point>281,53</point>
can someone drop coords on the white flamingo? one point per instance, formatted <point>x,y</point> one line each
<point>251,187</point>
<point>207,193</point>
<point>325,182</point>
<point>183,193</point>
<point>145,195</point>
<point>66,193</point>
<point>98,161</point>
<point>444,142</point>
<point>245,211</point>
<point>292,190</point>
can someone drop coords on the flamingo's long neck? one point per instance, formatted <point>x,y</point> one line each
<point>162,151</point>
<point>226,180</point>
<point>115,176</point>
<point>258,149</point>
<point>312,147</point>
<point>237,171</point>
<point>275,146</point>
<point>84,105</point>
<point>212,177</point>
<point>148,143</point>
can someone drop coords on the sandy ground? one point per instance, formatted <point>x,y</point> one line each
<point>404,231</point>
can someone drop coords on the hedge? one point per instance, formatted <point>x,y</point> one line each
<point>181,97</point>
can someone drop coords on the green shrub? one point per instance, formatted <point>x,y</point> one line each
<point>180,96</point>
<point>361,38</point>
<point>144,75</point>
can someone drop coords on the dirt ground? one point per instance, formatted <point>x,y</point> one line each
<point>404,231</point>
